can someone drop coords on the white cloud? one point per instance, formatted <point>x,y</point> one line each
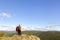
<point>5,15</point>
<point>7,28</point>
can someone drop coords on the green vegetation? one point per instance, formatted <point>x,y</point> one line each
<point>48,35</point>
<point>2,34</point>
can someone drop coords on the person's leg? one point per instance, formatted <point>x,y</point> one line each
<point>19,32</point>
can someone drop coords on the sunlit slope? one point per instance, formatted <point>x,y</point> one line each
<point>22,37</point>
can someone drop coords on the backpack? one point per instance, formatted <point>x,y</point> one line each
<point>18,28</point>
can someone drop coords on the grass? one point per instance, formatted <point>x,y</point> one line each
<point>48,35</point>
<point>21,37</point>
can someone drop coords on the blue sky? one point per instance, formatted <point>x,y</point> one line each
<point>30,14</point>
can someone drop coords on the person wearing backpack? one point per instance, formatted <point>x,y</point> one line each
<point>18,29</point>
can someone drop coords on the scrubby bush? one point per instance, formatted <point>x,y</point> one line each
<point>2,34</point>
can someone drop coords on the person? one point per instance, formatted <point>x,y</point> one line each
<point>18,29</point>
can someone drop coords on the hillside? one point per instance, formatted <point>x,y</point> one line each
<point>22,37</point>
<point>43,35</point>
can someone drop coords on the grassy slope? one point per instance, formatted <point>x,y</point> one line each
<point>22,37</point>
<point>49,35</point>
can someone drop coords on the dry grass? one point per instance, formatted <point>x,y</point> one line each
<point>22,37</point>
